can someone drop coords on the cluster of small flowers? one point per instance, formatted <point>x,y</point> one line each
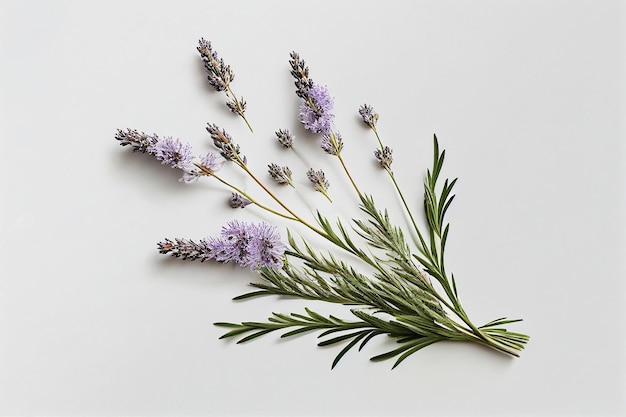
<point>317,105</point>
<point>246,244</point>
<point>222,141</point>
<point>170,151</point>
<point>220,75</point>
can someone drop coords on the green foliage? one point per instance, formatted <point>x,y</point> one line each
<point>399,299</point>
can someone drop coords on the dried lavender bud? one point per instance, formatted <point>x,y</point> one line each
<point>369,116</point>
<point>139,141</point>
<point>316,110</point>
<point>186,249</point>
<point>300,72</point>
<point>282,175</point>
<point>172,152</point>
<point>219,74</point>
<point>332,144</point>
<point>223,142</point>
<point>320,183</point>
<point>235,106</point>
<point>285,138</point>
<point>384,158</point>
<point>238,201</point>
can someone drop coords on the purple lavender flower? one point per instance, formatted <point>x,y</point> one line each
<point>300,72</point>
<point>186,249</point>
<point>285,138</point>
<point>219,74</point>
<point>238,201</point>
<point>140,142</point>
<point>369,116</point>
<point>332,144</point>
<point>315,111</point>
<point>320,183</point>
<point>265,249</point>
<point>384,158</point>
<point>282,175</point>
<point>223,142</point>
<point>247,244</point>
<point>212,161</point>
<point>172,152</point>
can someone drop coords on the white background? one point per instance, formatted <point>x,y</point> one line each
<point>527,98</point>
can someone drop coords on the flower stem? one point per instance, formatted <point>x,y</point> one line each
<point>208,172</point>
<point>240,110</point>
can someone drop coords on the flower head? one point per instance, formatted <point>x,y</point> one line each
<point>384,158</point>
<point>282,175</point>
<point>238,201</point>
<point>320,183</point>
<point>219,74</point>
<point>332,144</point>
<point>247,244</point>
<point>185,249</point>
<point>285,138</point>
<point>140,142</point>
<point>300,72</point>
<point>172,152</point>
<point>315,110</point>
<point>223,142</point>
<point>369,116</point>
<point>265,248</point>
<point>212,161</point>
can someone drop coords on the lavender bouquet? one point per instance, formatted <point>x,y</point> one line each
<point>400,288</point>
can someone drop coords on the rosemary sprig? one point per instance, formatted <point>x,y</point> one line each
<point>399,288</point>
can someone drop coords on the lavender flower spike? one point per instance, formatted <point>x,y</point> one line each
<point>238,201</point>
<point>249,245</point>
<point>212,161</point>
<point>285,138</point>
<point>315,111</point>
<point>332,144</point>
<point>219,74</point>
<point>320,183</point>
<point>186,249</point>
<point>140,142</point>
<point>172,152</point>
<point>384,158</point>
<point>282,175</point>
<point>369,116</point>
<point>223,142</point>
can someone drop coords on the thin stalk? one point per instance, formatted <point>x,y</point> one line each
<point>239,108</point>
<point>243,193</point>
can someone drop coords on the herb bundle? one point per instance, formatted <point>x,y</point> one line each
<point>406,292</point>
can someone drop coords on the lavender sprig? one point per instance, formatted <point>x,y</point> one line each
<point>222,141</point>
<point>139,141</point>
<point>316,110</point>
<point>238,201</point>
<point>300,72</point>
<point>186,249</point>
<point>285,138</point>
<point>220,76</point>
<point>282,175</point>
<point>369,116</point>
<point>249,245</point>
<point>384,157</point>
<point>172,152</point>
<point>332,143</point>
<point>319,181</point>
